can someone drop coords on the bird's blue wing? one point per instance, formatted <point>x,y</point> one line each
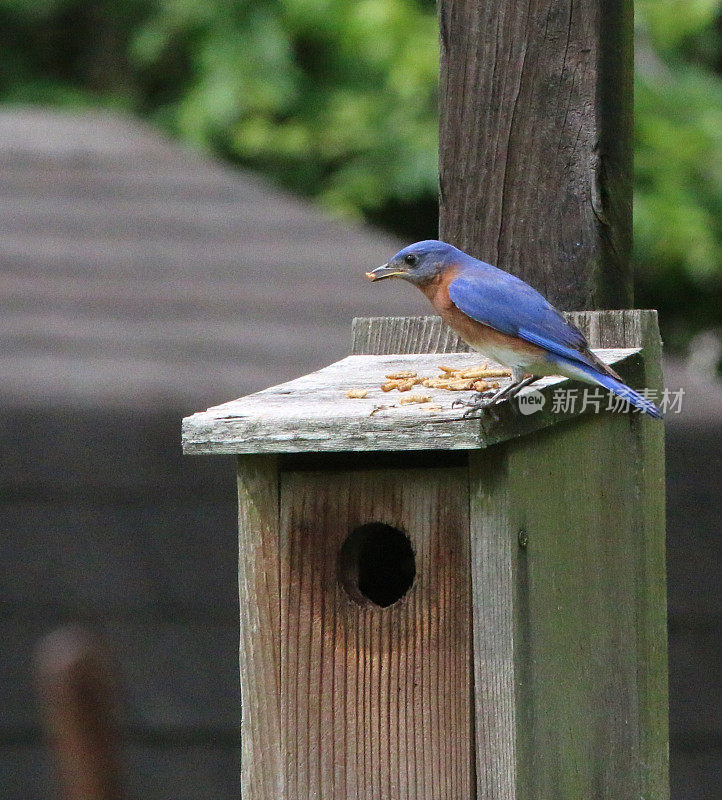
<point>509,305</point>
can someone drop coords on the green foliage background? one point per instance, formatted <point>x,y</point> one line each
<point>336,99</point>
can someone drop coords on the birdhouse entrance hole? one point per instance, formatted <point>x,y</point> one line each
<point>376,564</point>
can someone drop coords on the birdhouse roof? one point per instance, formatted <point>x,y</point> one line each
<point>344,407</point>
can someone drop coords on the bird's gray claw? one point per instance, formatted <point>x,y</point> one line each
<point>477,401</point>
<point>475,408</point>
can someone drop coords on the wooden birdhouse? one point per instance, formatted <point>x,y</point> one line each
<point>446,608</point>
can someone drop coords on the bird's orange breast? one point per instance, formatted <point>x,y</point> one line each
<point>475,334</point>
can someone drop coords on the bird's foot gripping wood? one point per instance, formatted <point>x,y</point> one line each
<point>481,401</point>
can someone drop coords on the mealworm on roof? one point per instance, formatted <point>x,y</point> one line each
<point>415,398</point>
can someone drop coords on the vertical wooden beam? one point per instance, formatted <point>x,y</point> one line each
<point>492,569</point>
<point>536,142</point>
<point>260,616</point>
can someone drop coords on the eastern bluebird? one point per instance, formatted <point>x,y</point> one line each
<point>501,316</point>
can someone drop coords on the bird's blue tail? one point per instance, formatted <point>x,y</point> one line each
<point>623,391</point>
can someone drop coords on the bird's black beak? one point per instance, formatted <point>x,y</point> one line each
<point>384,271</point>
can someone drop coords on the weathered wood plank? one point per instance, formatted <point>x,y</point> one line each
<point>260,614</point>
<point>375,701</point>
<point>389,335</point>
<point>492,559</point>
<point>576,515</point>
<point>637,328</point>
<point>651,598</point>
<point>536,143</point>
<point>313,414</point>
<point>382,335</point>
<point>579,701</point>
<point>633,327</point>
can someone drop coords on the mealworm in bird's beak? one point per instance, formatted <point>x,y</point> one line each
<point>384,271</point>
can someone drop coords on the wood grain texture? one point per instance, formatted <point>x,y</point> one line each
<point>635,327</point>
<point>376,701</point>
<point>578,699</point>
<point>385,335</point>
<point>585,628</point>
<point>639,328</point>
<point>603,329</point>
<point>652,658</point>
<point>260,614</point>
<point>493,546</point>
<point>313,413</point>
<point>535,143</point>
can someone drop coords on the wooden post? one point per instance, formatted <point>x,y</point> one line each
<point>260,639</point>
<point>523,656</point>
<point>536,143</point>
<point>78,691</point>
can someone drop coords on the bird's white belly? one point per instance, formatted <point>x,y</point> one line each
<point>528,363</point>
<point>505,356</point>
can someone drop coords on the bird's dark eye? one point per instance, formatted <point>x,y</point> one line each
<point>411,259</point>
